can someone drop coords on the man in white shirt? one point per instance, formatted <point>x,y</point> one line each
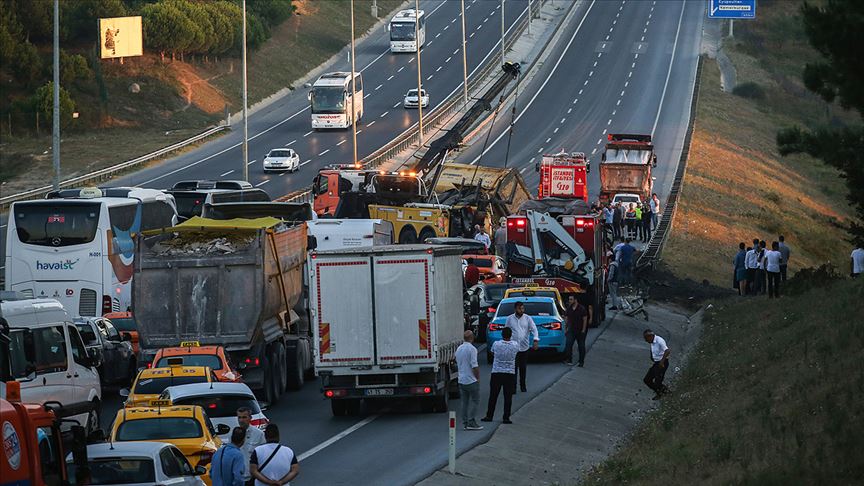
<point>660,362</point>
<point>522,326</point>
<point>857,262</point>
<point>655,210</point>
<point>501,238</point>
<point>254,437</point>
<point>482,237</point>
<point>503,375</point>
<point>273,464</point>
<point>751,264</point>
<point>469,382</point>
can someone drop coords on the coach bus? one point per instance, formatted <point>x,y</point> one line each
<point>331,101</point>
<point>406,28</point>
<point>77,245</point>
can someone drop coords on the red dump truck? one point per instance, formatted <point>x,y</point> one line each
<point>564,175</point>
<point>625,166</point>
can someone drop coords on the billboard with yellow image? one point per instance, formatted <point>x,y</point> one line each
<point>120,37</point>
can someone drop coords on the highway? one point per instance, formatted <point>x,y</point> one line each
<point>621,66</point>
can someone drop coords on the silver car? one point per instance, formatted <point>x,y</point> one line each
<point>138,463</point>
<point>113,349</point>
<point>282,159</point>
<point>411,98</point>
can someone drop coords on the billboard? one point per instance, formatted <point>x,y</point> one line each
<point>120,37</point>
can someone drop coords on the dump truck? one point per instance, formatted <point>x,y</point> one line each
<point>386,324</point>
<point>236,283</point>
<point>563,175</point>
<point>625,166</point>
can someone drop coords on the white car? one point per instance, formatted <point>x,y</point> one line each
<point>220,401</point>
<point>138,463</point>
<point>411,98</point>
<point>282,159</point>
<point>627,199</point>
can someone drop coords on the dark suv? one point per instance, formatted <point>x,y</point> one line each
<point>191,196</point>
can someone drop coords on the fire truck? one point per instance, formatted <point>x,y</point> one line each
<point>564,175</point>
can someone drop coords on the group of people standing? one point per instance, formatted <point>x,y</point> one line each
<point>757,269</point>
<point>253,457</point>
<point>633,220</point>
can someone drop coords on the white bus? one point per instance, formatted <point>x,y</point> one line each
<point>77,246</point>
<point>403,30</point>
<point>332,103</point>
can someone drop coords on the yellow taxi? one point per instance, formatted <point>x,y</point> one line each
<point>191,353</point>
<point>530,291</point>
<point>185,426</point>
<point>151,382</point>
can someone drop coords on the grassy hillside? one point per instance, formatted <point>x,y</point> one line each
<point>737,186</point>
<point>771,396</point>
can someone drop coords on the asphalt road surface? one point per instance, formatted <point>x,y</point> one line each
<point>622,66</point>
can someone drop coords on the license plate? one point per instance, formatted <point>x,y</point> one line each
<point>379,392</point>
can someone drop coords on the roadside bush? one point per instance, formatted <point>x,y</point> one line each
<point>810,278</point>
<point>44,102</point>
<point>73,67</point>
<point>27,64</point>
<point>749,90</point>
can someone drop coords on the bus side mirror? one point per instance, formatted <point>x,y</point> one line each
<point>388,27</point>
<point>309,96</point>
<point>654,160</point>
<point>603,156</point>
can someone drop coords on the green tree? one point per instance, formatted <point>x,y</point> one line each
<point>73,67</point>
<point>223,29</point>
<point>272,12</point>
<point>203,35</point>
<point>37,18</point>
<point>10,36</point>
<point>166,29</point>
<point>44,103</point>
<point>834,29</point>
<point>78,18</point>
<point>27,64</point>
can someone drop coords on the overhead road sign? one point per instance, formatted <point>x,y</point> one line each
<point>732,9</point>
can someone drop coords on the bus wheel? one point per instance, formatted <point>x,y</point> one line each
<point>426,233</point>
<point>408,235</point>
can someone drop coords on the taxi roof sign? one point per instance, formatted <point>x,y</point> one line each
<point>160,403</point>
<point>175,361</point>
<point>190,344</point>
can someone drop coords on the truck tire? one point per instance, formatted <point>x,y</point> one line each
<point>337,407</point>
<point>408,235</point>
<point>441,402</point>
<point>267,387</point>
<point>294,368</point>
<point>282,377</point>
<point>426,232</point>
<point>276,380</point>
<point>93,419</point>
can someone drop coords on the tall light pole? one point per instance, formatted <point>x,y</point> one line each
<point>419,76</point>
<point>502,32</point>
<point>464,59</point>
<point>245,117</point>
<point>55,136</point>
<point>353,88</point>
<point>530,17</point>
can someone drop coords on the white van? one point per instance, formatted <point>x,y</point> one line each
<point>335,234</point>
<point>49,359</point>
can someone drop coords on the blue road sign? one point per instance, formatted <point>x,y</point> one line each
<point>732,9</point>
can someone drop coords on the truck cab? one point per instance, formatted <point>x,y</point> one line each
<point>564,175</point>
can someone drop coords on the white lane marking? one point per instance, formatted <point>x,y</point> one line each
<point>548,140</point>
<point>575,100</point>
<point>456,52</point>
<point>410,59</point>
<point>622,93</point>
<point>194,163</point>
<point>486,20</point>
<point>642,39</point>
<point>340,143</point>
<point>609,122</point>
<point>562,120</point>
<point>591,74</point>
<point>428,44</point>
<point>555,131</point>
<point>645,30</point>
<point>599,140</point>
<point>630,74</point>
<point>384,114</point>
<point>599,54</point>
<point>595,64</point>
<point>614,112</point>
<point>472,34</point>
<point>626,83</point>
<point>225,174</point>
<point>262,183</point>
<point>636,56</point>
<point>446,27</point>
<point>371,123</point>
<point>586,83</point>
<point>396,105</point>
<point>540,151</point>
<point>292,142</point>
<point>454,20</point>
<point>359,131</point>
<point>633,65</point>
<point>569,110</point>
<point>522,170</point>
<point>324,152</point>
<point>282,174</point>
<point>436,35</point>
<point>668,73</point>
<point>607,38</point>
<point>310,132</point>
<point>439,68</point>
<point>594,151</point>
<point>604,131</point>
<point>448,59</point>
<point>430,77</point>
<point>617,14</point>
<point>580,92</point>
<point>614,21</point>
<point>367,95</point>
<point>305,162</point>
<point>398,71</point>
<point>379,87</point>
<point>619,102</point>
<point>250,162</point>
<point>391,77</point>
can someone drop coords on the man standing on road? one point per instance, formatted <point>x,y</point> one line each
<point>617,220</point>
<point>660,362</point>
<point>253,437</point>
<point>655,210</point>
<point>523,326</point>
<point>750,263</point>
<point>482,237</point>
<point>503,375</point>
<point>613,276</point>
<point>857,262</point>
<point>500,238</point>
<point>577,330</point>
<point>625,260</point>
<point>472,274</point>
<point>469,382</point>
<point>227,467</point>
<point>273,464</point>
<point>785,251</point>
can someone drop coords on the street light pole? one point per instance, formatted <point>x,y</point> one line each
<point>464,59</point>
<point>245,117</point>
<point>530,17</point>
<point>353,88</point>
<point>419,75</point>
<point>55,137</point>
<point>502,32</point>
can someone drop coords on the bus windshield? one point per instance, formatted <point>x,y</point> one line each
<point>56,224</point>
<point>328,99</point>
<point>402,31</point>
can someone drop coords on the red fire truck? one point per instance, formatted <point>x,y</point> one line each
<point>564,175</point>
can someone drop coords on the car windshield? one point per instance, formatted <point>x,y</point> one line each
<point>56,224</point>
<point>189,203</point>
<point>402,31</point>
<point>159,428</point>
<point>544,309</point>
<point>222,405</point>
<point>210,360</point>
<point>87,334</point>
<point>279,153</point>
<point>155,386</point>
<point>124,324</point>
<point>116,470</point>
<point>483,262</point>
<point>328,99</point>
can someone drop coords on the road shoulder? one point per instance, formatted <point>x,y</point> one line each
<point>577,422</point>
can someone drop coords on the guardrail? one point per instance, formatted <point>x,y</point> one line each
<point>102,174</point>
<point>658,239</point>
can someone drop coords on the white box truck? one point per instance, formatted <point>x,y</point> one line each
<point>387,322</point>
